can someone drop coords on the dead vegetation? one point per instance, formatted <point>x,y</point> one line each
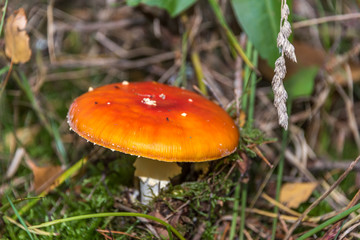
<point>80,44</point>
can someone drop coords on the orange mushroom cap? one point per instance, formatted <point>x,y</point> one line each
<point>155,121</point>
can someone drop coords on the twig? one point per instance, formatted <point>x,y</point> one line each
<point>349,104</point>
<point>328,222</point>
<point>316,21</point>
<point>121,52</point>
<point>89,27</point>
<point>50,31</point>
<point>117,232</point>
<point>171,71</point>
<point>264,183</point>
<point>214,88</point>
<point>326,165</point>
<point>349,230</point>
<point>260,155</point>
<point>238,85</point>
<point>325,194</point>
<point>113,62</point>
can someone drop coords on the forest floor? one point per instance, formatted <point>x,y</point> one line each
<point>280,184</point>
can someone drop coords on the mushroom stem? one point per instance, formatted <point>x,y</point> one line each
<point>150,187</point>
<point>154,175</point>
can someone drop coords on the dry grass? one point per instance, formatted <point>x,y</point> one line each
<point>78,44</point>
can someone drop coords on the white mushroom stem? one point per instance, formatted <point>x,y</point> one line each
<point>150,187</point>
<point>154,175</point>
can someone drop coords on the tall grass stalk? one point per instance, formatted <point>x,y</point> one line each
<point>230,35</point>
<point>280,172</point>
<point>181,78</point>
<point>329,222</point>
<point>3,16</point>
<point>109,214</point>
<point>250,120</point>
<point>235,212</point>
<point>199,73</point>
<point>19,217</point>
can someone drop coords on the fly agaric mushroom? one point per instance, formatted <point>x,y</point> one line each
<point>154,121</point>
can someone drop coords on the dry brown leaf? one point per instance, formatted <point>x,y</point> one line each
<point>16,39</point>
<point>44,176</point>
<point>308,56</point>
<point>161,230</point>
<point>293,194</point>
<point>25,135</point>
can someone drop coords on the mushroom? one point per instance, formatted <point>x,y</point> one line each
<point>155,122</point>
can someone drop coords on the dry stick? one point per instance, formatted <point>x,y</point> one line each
<point>90,27</point>
<point>50,31</point>
<point>349,106</point>
<point>121,64</point>
<point>342,59</point>
<point>349,230</point>
<point>284,226</point>
<point>116,232</point>
<point>238,82</point>
<point>121,52</point>
<point>264,184</point>
<point>327,165</point>
<point>260,155</point>
<point>171,71</point>
<point>337,227</point>
<point>314,204</point>
<point>315,21</point>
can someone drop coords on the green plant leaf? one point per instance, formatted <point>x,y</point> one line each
<point>301,84</point>
<point>174,7</point>
<point>261,22</point>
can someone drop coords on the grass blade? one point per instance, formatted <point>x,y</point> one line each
<point>230,35</point>
<point>19,217</point>
<point>329,222</point>
<point>109,214</point>
<point>235,212</point>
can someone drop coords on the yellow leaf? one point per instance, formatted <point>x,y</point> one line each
<point>16,39</point>
<point>293,194</point>
<point>44,176</point>
<point>242,119</point>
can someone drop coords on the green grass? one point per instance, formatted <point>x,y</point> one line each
<point>94,195</point>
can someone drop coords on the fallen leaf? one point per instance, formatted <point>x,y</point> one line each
<point>44,176</point>
<point>242,119</point>
<point>25,135</point>
<point>160,229</point>
<point>309,56</point>
<point>293,194</point>
<point>16,39</point>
